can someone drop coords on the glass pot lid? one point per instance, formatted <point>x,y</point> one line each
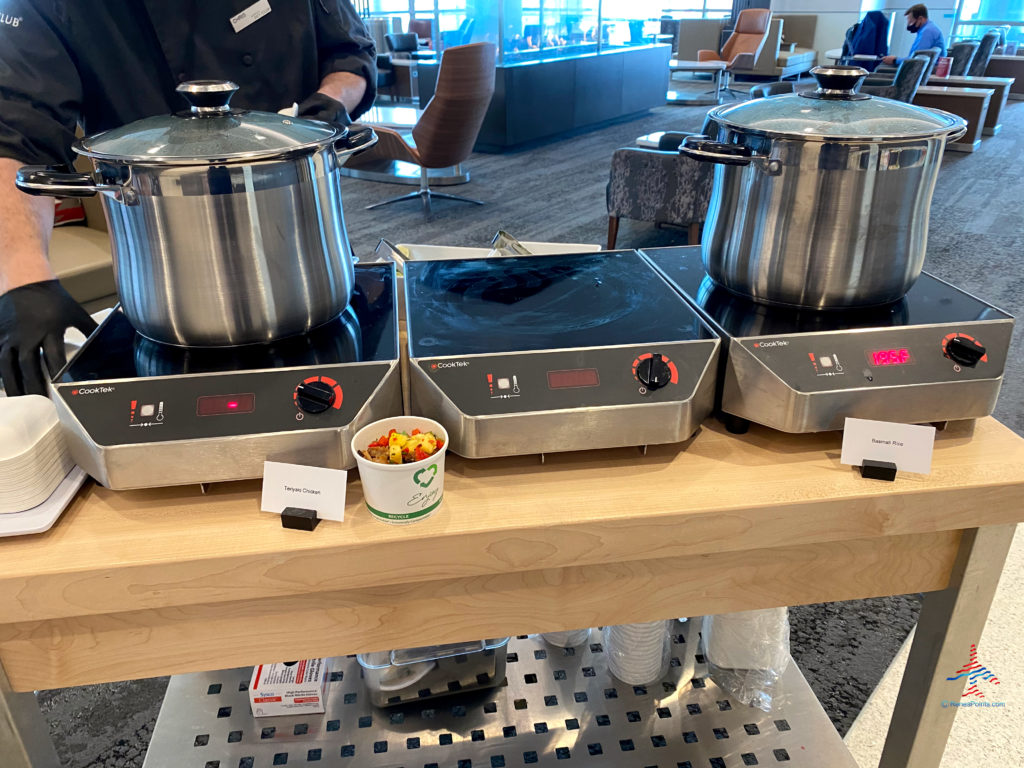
<point>836,111</point>
<point>210,131</point>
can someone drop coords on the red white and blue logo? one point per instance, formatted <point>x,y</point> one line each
<point>976,675</point>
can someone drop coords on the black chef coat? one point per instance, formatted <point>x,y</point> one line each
<point>105,63</point>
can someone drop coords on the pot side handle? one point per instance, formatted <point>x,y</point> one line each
<point>958,133</point>
<point>705,150</point>
<point>46,181</point>
<point>358,138</point>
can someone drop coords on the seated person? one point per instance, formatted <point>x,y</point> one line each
<point>928,33</point>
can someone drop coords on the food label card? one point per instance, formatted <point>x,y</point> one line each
<point>907,446</point>
<point>296,485</point>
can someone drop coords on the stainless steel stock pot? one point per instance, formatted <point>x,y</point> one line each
<point>227,226</point>
<point>821,198</point>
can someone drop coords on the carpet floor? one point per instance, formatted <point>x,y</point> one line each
<point>555,191</point>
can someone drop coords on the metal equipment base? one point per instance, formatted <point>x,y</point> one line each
<point>559,707</point>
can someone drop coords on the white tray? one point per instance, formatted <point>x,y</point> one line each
<point>42,517</point>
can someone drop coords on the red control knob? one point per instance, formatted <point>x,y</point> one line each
<point>653,372</point>
<point>315,396</point>
<point>965,351</point>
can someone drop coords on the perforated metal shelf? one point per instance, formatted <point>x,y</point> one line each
<point>559,708</point>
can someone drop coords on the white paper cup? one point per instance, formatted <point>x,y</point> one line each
<point>401,493</point>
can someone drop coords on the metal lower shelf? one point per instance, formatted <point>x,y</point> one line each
<point>559,707</point>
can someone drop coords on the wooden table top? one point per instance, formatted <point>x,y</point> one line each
<point>117,551</point>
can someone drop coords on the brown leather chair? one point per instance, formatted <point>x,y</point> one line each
<point>424,30</point>
<point>446,131</point>
<point>744,44</point>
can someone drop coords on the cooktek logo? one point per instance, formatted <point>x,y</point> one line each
<point>776,343</point>
<point>449,364</point>
<point>92,390</point>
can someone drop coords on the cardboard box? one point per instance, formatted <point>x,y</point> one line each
<point>289,688</point>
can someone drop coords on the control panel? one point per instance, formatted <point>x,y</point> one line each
<point>485,385</point>
<point>154,409</point>
<point>885,357</point>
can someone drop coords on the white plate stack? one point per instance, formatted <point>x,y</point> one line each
<point>637,654</point>
<point>34,458</point>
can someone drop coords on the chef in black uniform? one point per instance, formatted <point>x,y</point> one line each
<point>105,63</point>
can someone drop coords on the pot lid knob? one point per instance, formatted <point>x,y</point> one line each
<point>208,97</point>
<point>838,82</point>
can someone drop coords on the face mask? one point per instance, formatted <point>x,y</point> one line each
<point>911,27</point>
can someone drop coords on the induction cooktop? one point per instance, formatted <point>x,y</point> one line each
<point>142,414</point>
<point>538,354</point>
<point>936,355</point>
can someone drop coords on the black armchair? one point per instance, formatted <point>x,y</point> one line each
<point>385,76</point>
<point>903,86</point>
<point>931,54</point>
<point>763,90</point>
<point>406,46</point>
<point>962,54</point>
<point>986,47</point>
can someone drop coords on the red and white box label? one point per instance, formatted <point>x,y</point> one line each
<point>289,688</point>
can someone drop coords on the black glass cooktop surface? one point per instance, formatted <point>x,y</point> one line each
<point>530,303</point>
<point>364,332</point>
<point>929,302</point>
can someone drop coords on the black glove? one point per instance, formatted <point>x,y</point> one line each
<point>320,106</point>
<point>34,317</point>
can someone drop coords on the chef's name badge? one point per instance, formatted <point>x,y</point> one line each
<point>297,485</point>
<point>908,446</point>
<point>254,12</point>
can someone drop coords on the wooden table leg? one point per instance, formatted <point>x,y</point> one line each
<point>950,621</point>
<point>24,735</point>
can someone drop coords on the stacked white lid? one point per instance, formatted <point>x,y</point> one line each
<point>34,457</point>
<point>637,654</point>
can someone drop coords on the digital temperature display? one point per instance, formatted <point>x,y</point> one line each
<point>218,405</point>
<point>578,377</point>
<point>899,356</point>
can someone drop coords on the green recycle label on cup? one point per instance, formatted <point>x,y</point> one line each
<point>416,478</point>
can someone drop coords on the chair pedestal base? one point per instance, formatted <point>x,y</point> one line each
<point>426,194</point>
<point>400,172</point>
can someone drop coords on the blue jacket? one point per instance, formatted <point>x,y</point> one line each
<point>871,36</point>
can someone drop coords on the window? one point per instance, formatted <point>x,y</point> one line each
<point>976,17</point>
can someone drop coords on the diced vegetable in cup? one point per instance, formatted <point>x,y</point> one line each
<point>400,448</point>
